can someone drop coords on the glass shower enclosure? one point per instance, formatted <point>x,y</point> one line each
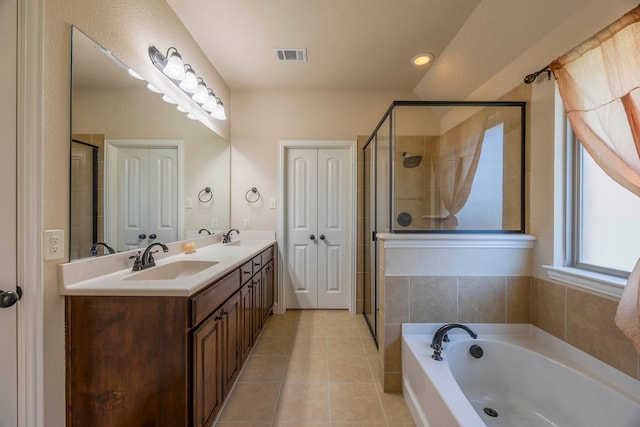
<point>440,167</point>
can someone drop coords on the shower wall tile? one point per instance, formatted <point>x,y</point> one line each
<point>396,301</point>
<point>434,299</point>
<point>482,299</point>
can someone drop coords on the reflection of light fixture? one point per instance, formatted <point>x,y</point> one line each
<point>182,109</point>
<point>134,74</point>
<point>422,59</point>
<point>165,98</point>
<point>152,88</point>
<point>186,79</point>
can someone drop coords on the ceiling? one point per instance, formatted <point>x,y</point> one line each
<point>368,44</point>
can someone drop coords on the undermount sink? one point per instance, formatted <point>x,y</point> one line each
<point>174,270</point>
<point>245,243</point>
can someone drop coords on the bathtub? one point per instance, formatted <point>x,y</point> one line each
<point>525,377</point>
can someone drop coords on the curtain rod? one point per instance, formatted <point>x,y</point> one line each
<point>530,78</point>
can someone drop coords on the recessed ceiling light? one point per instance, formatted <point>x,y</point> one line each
<point>422,59</point>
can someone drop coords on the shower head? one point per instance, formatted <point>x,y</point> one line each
<point>530,78</point>
<point>410,160</point>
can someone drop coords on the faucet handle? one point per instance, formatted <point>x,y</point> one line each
<point>137,263</point>
<point>151,261</point>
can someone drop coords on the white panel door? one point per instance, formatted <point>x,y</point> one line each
<point>318,230</point>
<point>8,249</point>
<point>147,196</point>
<point>302,212</point>
<point>334,219</point>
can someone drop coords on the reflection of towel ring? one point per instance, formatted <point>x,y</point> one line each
<point>254,198</point>
<point>203,193</point>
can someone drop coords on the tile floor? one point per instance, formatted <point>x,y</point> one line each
<point>313,368</point>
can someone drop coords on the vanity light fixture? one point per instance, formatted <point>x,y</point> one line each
<point>186,79</point>
<point>133,74</point>
<point>422,59</point>
<point>152,88</point>
<point>168,100</point>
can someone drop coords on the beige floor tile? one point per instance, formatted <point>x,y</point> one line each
<point>263,368</point>
<point>307,369</point>
<point>244,404</point>
<point>309,347</point>
<point>411,424</point>
<point>273,346</point>
<point>296,424</point>
<point>352,424</point>
<point>395,408</point>
<point>278,328</point>
<point>240,424</point>
<point>303,402</point>
<point>346,328</point>
<point>306,315</point>
<point>355,403</point>
<point>311,329</point>
<point>339,315</point>
<point>369,345</point>
<point>341,346</point>
<point>349,369</point>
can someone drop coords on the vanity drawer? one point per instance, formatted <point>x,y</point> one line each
<point>257,263</point>
<point>204,303</point>
<point>267,256</point>
<point>246,271</point>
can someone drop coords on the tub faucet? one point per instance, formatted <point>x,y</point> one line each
<point>93,249</point>
<point>227,235</point>
<point>204,230</point>
<point>441,336</point>
<point>147,256</point>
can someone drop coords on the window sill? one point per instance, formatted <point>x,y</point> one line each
<point>595,282</point>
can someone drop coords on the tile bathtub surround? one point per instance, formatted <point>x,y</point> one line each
<point>313,368</point>
<point>444,299</point>
<point>584,320</point>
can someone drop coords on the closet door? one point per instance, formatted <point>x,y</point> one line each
<point>302,217</point>
<point>163,194</point>
<point>319,196</point>
<point>133,198</point>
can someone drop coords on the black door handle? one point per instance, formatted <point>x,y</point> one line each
<point>152,236</point>
<point>9,298</point>
<point>312,237</point>
<point>142,236</point>
<point>322,237</point>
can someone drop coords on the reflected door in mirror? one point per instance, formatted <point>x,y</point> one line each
<point>84,197</point>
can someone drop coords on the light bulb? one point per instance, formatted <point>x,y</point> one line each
<point>165,98</point>
<point>202,94</point>
<point>190,82</point>
<point>211,104</point>
<point>175,67</point>
<point>152,88</point>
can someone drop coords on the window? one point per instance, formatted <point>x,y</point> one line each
<point>606,219</point>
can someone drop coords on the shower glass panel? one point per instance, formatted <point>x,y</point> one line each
<point>457,167</point>
<point>84,198</point>
<point>440,167</point>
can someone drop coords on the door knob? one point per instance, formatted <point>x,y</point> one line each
<point>152,236</point>
<point>312,237</point>
<point>9,298</point>
<point>322,237</point>
<point>142,236</point>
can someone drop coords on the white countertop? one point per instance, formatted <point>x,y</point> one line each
<point>104,275</point>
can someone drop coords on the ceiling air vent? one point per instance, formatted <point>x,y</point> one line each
<point>290,55</point>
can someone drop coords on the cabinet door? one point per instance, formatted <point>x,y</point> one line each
<point>256,281</point>
<point>246,295</point>
<point>232,337</point>
<point>267,290</point>
<point>207,364</point>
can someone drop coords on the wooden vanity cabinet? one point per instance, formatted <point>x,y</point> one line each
<point>163,361</point>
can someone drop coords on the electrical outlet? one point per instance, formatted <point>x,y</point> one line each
<point>247,223</point>
<point>53,244</point>
<point>214,223</point>
<point>272,203</point>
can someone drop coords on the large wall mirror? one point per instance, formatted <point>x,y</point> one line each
<point>141,171</point>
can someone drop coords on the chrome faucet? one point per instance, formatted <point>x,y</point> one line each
<point>227,235</point>
<point>205,230</point>
<point>147,256</point>
<point>93,249</point>
<point>441,336</point>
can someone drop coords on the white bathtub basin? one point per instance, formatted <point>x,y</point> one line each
<point>528,377</point>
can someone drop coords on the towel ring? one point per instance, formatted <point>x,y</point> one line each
<point>255,197</point>
<point>203,193</point>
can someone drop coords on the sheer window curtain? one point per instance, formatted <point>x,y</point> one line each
<point>599,82</point>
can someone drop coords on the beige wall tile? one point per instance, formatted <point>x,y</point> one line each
<point>392,382</point>
<point>393,348</point>
<point>482,299</point>
<point>519,299</point>
<point>396,299</point>
<point>434,299</point>
<point>548,306</point>
<point>591,328</point>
